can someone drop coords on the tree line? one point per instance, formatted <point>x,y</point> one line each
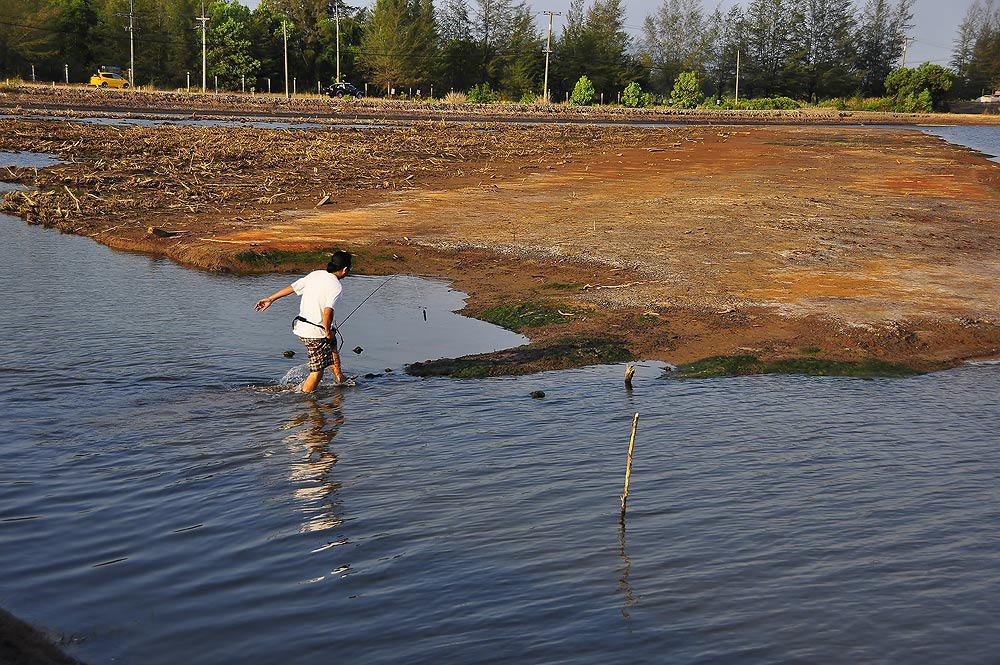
<point>809,50</point>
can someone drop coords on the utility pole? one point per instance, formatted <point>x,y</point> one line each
<point>336,10</point>
<point>204,59</point>
<point>284,31</point>
<point>737,76</point>
<point>131,42</point>
<point>548,50</point>
<point>906,42</point>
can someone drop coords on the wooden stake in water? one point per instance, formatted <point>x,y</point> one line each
<point>628,467</point>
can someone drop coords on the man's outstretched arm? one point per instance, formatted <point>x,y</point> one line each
<point>264,303</point>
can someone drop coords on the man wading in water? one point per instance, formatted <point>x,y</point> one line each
<point>320,291</point>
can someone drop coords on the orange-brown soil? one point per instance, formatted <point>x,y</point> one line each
<point>844,242</point>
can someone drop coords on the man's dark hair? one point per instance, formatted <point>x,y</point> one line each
<point>339,260</point>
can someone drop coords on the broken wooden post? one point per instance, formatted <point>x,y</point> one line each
<point>628,467</point>
<point>629,371</point>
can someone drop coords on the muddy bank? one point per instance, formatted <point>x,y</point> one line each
<point>672,243</point>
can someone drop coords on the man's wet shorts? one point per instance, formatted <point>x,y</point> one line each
<point>320,353</point>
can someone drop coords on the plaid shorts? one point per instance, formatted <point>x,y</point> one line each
<point>320,353</point>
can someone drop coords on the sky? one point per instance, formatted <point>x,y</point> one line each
<point>935,26</point>
<point>933,35</point>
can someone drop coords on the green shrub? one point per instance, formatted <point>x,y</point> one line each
<point>904,84</point>
<point>583,92</point>
<point>839,104</point>
<point>481,94</point>
<point>918,103</point>
<point>633,97</point>
<point>771,104</point>
<point>786,103</point>
<point>529,98</point>
<point>687,92</point>
<point>880,104</point>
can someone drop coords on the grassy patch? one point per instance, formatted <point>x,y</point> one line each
<point>559,286</point>
<point>648,320</point>
<point>518,316</point>
<point>275,258</point>
<point>719,366</point>
<point>564,354</point>
<point>278,259</point>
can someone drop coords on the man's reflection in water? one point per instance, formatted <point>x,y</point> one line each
<point>309,443</point>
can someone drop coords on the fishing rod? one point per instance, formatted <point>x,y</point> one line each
<point>341,324</point>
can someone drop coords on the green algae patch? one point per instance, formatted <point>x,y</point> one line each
<point>745,365</point>
<point>287,260</point>
<point>518,316</point>
<point>562,286</point>
<point>718,366</point>
<point>563,354</point>
<point>279,258</point>
<point>866,369</point>
<point>648,320</point>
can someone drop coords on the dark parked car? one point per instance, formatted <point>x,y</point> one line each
<point>344,89</point>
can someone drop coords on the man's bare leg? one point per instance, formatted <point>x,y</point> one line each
<point>337,373</point>
<point>309,385</point>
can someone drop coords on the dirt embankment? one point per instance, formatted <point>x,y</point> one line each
<point>84,99</point>
<point>843,243</point>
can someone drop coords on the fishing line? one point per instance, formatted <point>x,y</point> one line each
<point>341,324</point>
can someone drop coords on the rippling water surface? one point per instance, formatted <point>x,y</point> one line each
<point>985,139</point>
<point>164,499</point>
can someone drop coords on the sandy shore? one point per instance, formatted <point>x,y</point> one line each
<point>778,239</point>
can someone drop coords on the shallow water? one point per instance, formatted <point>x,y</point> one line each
<point>983,139</point>
<point>166,500</point>
<point>26,160</point>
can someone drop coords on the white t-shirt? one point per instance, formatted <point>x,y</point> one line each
<point>319,290</point>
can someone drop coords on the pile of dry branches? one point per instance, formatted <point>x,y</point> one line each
<point>114,176</point>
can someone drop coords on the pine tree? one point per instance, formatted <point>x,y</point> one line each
<point>725,40</point>
<point>28,36</point>
<point>453,20</point>
<point>822,57</point>
<point>767,29</point>
<point>385,45</point>
<point>594,44</point>
<point>881,31</point>
<point>674,41</point>
<point>976,57</point>
<point>77,20</point>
